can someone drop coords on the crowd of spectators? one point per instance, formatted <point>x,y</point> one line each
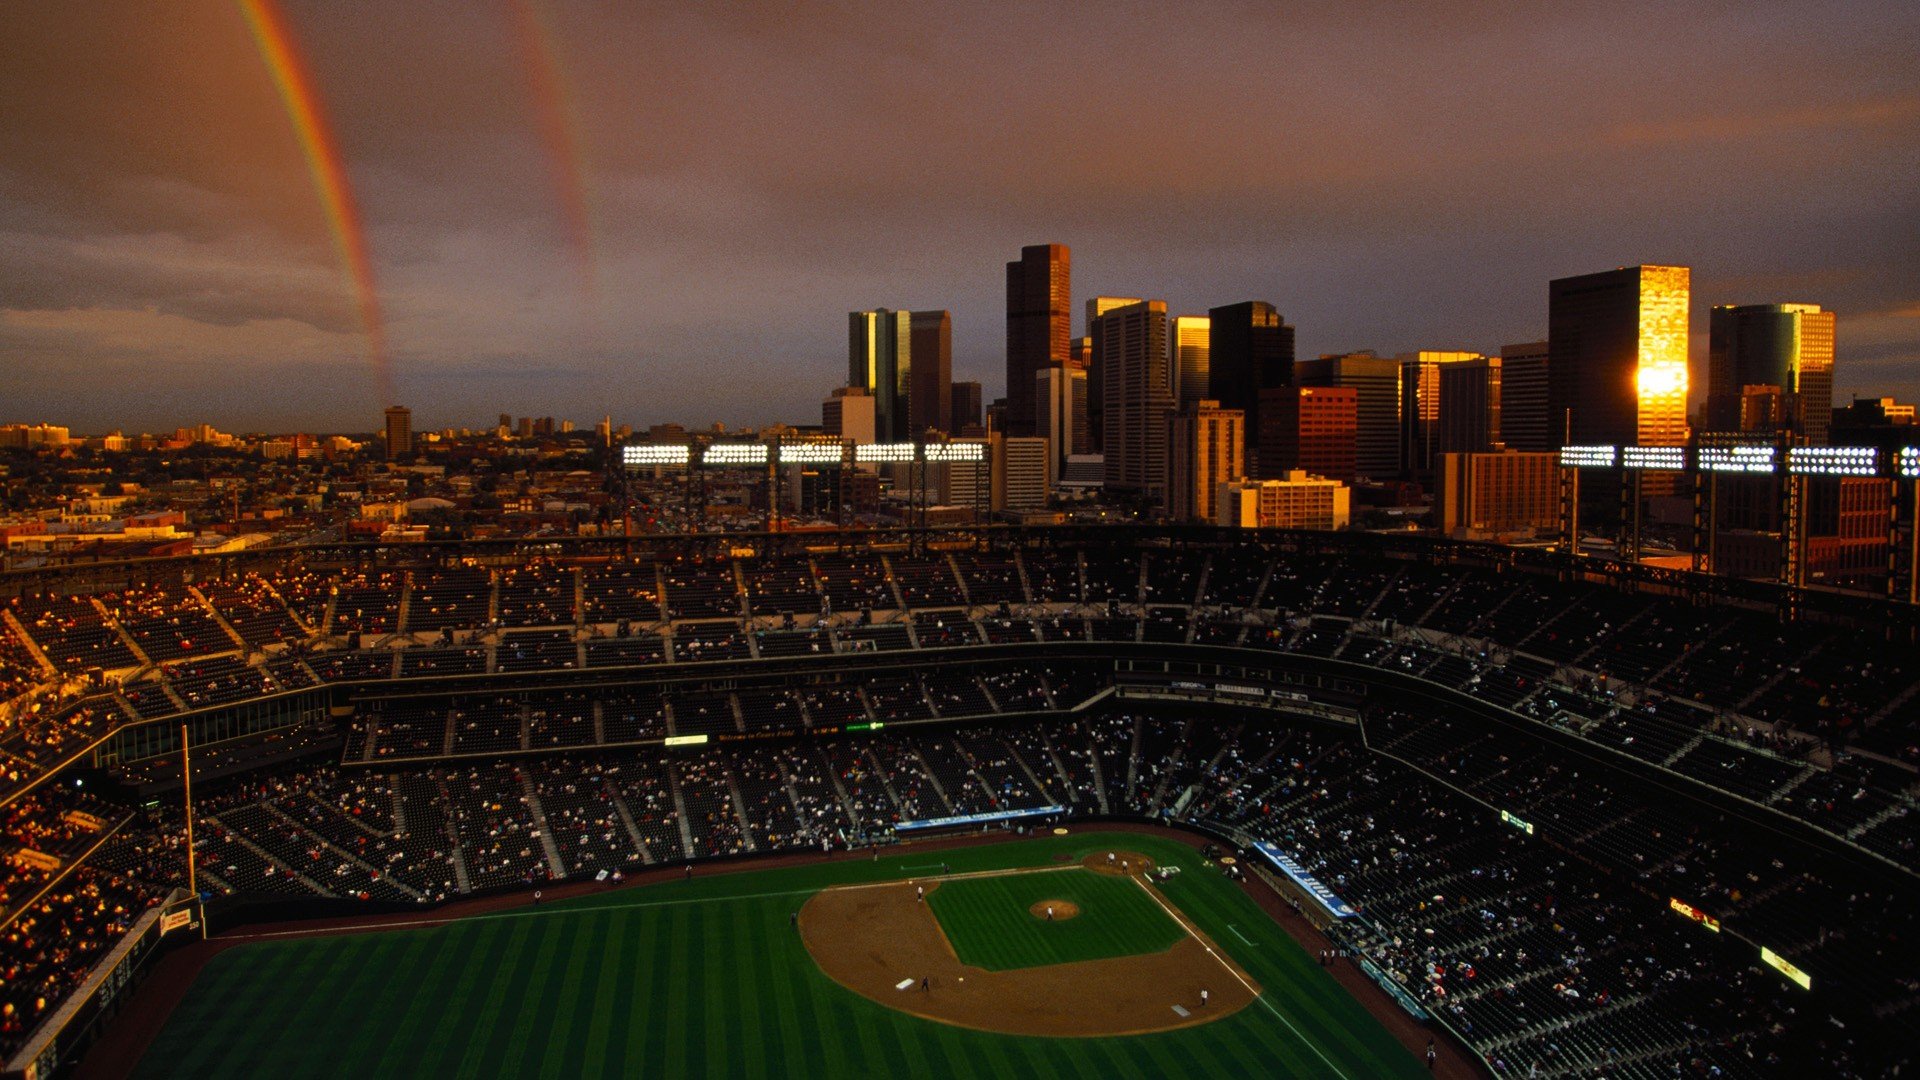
<point>1812,720</point>
<point>1545,961</point>
<point>1562,653</point>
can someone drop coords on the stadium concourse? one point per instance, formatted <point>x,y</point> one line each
<point>1505,775</point>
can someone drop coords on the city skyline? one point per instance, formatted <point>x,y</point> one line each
<point>165,235</point>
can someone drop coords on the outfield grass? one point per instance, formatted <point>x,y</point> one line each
<point>987,921</point>
<point>707,978</point>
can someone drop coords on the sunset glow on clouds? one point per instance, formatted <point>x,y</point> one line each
<point>731,182</point>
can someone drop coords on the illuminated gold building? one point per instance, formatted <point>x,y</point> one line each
<point>1294,501</point>
<point>1189,339</point>
<point>880,360</point>
<point>1770,368</point>
<point>1617,357</point>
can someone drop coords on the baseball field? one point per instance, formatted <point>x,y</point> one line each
<point>792,972</point>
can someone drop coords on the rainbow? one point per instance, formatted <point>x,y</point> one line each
<point>559,134</point>
<point>304,108</point>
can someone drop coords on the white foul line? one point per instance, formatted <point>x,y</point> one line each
<point>536,911</point>
<point>532,912</point>
<point>969,876</point>
<point>1261,998</point>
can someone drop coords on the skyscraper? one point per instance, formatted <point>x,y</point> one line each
<point>1205,449</point>
<point>1096,390</point>
<point>1617,357</point>
<point>880,359</point>
<point>1188,337</point>
<point>1523,397</point>
<point>930,386</point>
<point>1375,381</point>
<point>1130,352</point>
<point>1470,407</point>
<point>1060,399</point>
<point>1308,428</point>
<point>399,429</point>
<point>964,406</point>
<point>1420,397</point>
<point>1250,349</point>
<point>1039,323</point>
<point>1785,348</point>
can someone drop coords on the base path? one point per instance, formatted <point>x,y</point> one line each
<point>873,938</point>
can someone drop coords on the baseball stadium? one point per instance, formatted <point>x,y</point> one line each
<point>1047,802</point>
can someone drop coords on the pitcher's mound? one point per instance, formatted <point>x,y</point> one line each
<point>882,943</point>
<point>1054,910</point>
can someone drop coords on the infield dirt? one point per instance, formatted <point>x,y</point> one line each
<point>871,939</point>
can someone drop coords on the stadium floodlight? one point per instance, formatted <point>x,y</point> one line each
<point>883,452</point>
<point>956,452</point>
<point>1654,458</point>
<point>1737,459</point>
<point>640,457</point>
<point>1910,463</point>
<point>1589,457</point>
<point>811,453</point>
<point>1833,460</point>
<point>723,454</point>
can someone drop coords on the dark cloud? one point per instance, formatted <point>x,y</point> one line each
<point>1391,177</point>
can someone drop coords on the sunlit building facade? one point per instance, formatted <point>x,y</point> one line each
<point>1770,368</point>
<point>1039,325</point>
<point>1375,381</point>
<point>1189,336</point>
<point>848,414</point>
<point>880,360</point>
<point>399,432</point>
<point>1295,501</point>
<point>1205,445</point>
<point>1617,362</point>
<point>1308,427</point>
<point>1617,357</point>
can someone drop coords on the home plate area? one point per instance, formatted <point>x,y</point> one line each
<point>979,951</point>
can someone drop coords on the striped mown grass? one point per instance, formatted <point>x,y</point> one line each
<point>989,924</point>
<point>707,978</point>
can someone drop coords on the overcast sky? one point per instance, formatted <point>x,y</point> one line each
<point>1391,176</point>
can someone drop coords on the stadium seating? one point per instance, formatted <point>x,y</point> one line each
<point>1815,719</point>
